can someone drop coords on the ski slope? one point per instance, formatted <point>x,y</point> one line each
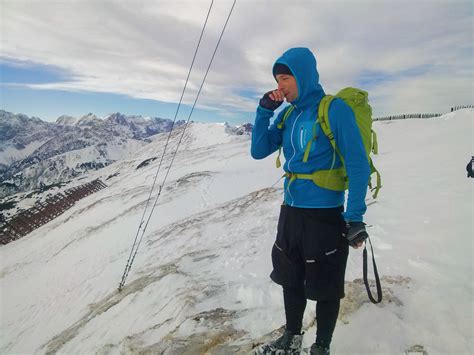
<point>199,283</point>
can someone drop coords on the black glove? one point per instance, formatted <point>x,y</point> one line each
<point>356,233</point>
<point>268,103</point>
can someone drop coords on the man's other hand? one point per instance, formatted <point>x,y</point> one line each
<point>356,234</point>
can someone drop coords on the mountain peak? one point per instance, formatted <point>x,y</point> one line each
<point>66,120</point>
<point>88,119</point>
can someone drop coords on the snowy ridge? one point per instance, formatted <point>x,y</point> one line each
<point>200,280</point>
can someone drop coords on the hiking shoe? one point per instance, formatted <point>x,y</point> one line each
<point>319,350</point>
<point>287,344</point>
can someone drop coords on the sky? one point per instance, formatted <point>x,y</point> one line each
<point>75,57</point>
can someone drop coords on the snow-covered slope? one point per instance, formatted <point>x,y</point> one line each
<point>200,282</point>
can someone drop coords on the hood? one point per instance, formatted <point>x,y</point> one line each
<point>302,64</point>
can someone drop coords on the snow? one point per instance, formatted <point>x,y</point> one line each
<point>203,265</point>
<point>10,153</point>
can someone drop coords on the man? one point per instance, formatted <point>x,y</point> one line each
<point>470,172</point>
<point>310,252</point>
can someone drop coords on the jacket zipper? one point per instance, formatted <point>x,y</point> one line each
<point>294,150</point>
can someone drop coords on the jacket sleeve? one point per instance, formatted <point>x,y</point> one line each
<point>349,141</point>
<point>265,139</point>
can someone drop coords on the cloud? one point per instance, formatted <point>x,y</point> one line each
<point>412,56</point>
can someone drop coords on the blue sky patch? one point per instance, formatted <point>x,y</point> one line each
<point>50,104</point>
<point>371,78</point>
<point>31,73</point>
<point>249,93</point>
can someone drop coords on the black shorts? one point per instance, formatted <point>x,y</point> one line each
<point>310,250</point>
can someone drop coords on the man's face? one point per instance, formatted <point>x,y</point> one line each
<point>287,84</point>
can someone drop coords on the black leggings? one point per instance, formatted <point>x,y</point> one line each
<point>326,314</point>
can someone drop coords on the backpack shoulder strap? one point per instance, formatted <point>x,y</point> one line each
<point>325,101</point>
<point>323,119</point>
<point>323,116</point>
<point>288,111</point>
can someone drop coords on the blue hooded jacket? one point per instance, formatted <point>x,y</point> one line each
<point>298,130</point>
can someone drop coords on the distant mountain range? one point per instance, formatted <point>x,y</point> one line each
<point>37,154</point>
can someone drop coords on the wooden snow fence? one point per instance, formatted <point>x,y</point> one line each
<point>41,213</point>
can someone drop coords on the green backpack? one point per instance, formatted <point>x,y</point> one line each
<point>336,179</point>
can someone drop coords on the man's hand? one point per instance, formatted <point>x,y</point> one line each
<point>356,234</point>
<point>272,100</point>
